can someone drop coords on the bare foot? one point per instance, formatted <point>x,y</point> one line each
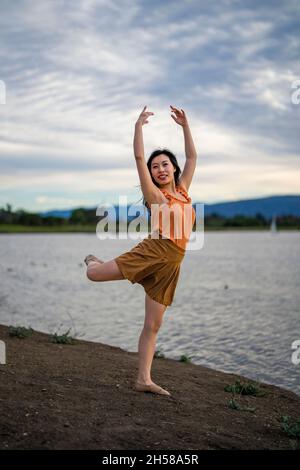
<point>152,387</point>
<point>89,258</point>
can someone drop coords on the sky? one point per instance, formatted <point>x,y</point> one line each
<point>74,77</point>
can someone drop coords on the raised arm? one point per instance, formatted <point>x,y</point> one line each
<point>190,151</point>
<point>151,192</point>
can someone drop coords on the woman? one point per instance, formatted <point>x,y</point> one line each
<point>155,261</point>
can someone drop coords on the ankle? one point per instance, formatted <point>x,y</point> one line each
<point>144,379</point>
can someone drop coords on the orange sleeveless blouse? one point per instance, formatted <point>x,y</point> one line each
<point>177,222</point>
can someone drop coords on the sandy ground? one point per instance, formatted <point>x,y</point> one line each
<point>81,396</point>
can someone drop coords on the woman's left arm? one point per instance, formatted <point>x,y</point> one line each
<point>190,151</point>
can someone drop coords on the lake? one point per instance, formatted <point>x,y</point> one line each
<point>236,306</point>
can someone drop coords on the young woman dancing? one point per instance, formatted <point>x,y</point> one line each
<point>155,262</point>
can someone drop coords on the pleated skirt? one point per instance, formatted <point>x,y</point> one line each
<point>155,264</point>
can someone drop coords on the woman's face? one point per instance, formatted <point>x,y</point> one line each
<point>162,169</point>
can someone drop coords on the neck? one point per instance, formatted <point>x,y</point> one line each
<point>170,187</point>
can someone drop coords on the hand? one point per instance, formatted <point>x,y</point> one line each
<point>180,118</point>
<point>144,116</point>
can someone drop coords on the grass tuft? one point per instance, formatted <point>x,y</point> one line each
<point>292,429</point>
<point>184,358</point>
<point>62,339</point>
<point>19,331</point>
<point>245,388</point>
<point>159,354</point>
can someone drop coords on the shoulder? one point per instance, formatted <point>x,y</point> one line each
<point>182,184</point>
<point>182,187</point>
<point>160,197</point>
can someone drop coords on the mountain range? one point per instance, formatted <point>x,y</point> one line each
<point>266,206</point>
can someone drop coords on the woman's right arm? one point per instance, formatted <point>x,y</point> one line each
<point>151,193</point>
<point>138,143</point>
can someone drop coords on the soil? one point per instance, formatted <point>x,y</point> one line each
<point>81,396</point>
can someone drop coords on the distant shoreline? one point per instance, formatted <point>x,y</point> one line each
<point>11,228</point>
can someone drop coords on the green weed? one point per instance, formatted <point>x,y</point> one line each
<point>62,339</point>
<point>19,331</point>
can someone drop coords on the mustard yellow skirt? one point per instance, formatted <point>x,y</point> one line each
<point>155,264</point>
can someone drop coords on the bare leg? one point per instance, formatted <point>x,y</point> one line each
<point>108,271</point>
<point>154,312</point>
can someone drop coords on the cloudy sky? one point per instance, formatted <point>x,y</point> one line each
<point>77,74</point>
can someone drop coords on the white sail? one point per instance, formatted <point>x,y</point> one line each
<point>273,227</point>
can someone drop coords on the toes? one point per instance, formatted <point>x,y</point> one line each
<point>154,388</point>
<point>92,258</point>
<point>88,258</point>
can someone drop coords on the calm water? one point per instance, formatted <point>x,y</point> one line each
<point>247,328</point>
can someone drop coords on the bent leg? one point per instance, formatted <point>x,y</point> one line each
<point>108,271</point>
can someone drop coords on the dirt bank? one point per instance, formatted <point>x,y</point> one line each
<point>81,396</point>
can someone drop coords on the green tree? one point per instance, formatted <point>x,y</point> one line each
<point>78,216</point>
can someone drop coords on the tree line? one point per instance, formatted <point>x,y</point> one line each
<point>82,216</point>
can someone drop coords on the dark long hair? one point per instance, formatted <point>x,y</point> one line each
<point>174,161</point>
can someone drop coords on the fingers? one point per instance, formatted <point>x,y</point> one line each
<point>177,111</point>
<point>145,115</point>
<point>147,112</point>
<point>174,110</point>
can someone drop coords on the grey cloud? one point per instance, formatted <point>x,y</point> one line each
<point>9,164</point>
<point>75,74</point>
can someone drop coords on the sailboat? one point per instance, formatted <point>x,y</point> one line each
<point>273,226</point>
